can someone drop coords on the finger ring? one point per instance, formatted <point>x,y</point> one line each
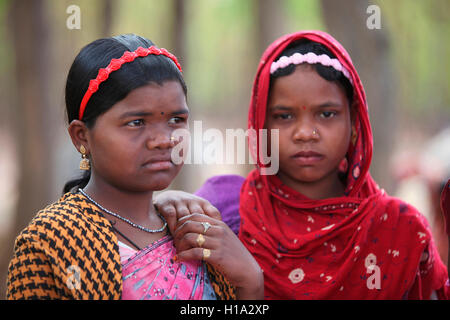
<point>206,226</point>
<point>200,240</point>
<point>206,254</point>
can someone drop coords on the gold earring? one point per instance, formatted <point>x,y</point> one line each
<point>84,163</point>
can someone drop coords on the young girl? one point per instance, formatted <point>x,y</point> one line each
<point>104,239</point>
<point>321,228</point>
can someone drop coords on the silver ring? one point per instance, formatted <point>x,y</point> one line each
<point>206,226</point>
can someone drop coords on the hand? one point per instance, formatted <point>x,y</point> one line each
<point>227,253</point>
<point>174,205</point>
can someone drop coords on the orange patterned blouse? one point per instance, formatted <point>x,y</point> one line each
<point>69,251</point>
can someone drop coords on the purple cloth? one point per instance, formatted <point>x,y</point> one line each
<point>223,192</point>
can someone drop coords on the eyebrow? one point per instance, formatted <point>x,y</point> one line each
<point>326,104</point>
<point>148,114</point>
<point>329,104</point>
<point>281,108</point>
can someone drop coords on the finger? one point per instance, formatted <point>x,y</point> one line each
<point>195,254</point>
<point>169,213</point>
<point>211,211</point>
<point>192,226</point>
<point>195,208</point>
<point>188,226</point>
<point>199,217</point>
<point>182,210</point>
<point>191,240</point>
<point>193,223</point>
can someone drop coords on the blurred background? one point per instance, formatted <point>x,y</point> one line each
<point>404,65</point>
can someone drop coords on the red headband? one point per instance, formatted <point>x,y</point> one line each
<point>116,64</point>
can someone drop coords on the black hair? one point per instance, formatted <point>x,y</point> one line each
<point>98,54</point>
<point>328,73</point>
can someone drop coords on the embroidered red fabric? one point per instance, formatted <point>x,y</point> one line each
<point>365,245</point>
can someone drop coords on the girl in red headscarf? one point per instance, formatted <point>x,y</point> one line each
<point>321,228</point>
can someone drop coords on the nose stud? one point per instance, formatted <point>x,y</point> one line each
<point>315,133</point>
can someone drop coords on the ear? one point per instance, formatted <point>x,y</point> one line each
<point>353,111</point>
<point>79,134</point>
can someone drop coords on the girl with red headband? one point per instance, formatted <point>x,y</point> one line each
<point>320,228</point>
<point>103,239</point>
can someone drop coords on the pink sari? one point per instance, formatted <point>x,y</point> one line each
<point>151,274</point>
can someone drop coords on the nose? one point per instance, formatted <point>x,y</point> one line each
<point>159,139</point>
<point>305,131</point>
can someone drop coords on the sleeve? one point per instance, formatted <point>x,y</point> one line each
<point>223,192</point>
<point>222,288</point>
<point>431,280</point>
<point>30,274</point>
<point>445,206</point>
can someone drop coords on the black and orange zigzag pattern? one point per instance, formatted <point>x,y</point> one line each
<point>73,232</point>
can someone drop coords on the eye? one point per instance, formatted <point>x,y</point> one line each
<point>136,123</point>
<point>282,116</point>
<point>328,114</point>
<point>177,120</point>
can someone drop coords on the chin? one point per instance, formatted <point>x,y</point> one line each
<point>307,178</point>
<point>307,175</point>
<point>158,184</point>
<point>160,187</point>
<point>159,180</point>
<point>152,185</point>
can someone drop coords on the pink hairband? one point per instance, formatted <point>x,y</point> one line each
<point>310,58</point>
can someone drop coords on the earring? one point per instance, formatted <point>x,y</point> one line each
<point>343,165</point>
<point>84,163</point>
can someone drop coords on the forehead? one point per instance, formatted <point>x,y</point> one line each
<point>168,95</point>
<point>305,86</point>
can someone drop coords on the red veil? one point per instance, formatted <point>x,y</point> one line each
<point>365,245</point>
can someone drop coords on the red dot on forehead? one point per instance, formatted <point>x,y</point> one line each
<point>304,107</point>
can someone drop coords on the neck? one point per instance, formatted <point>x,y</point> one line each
<point>136,206</point>
<point>327,187</point>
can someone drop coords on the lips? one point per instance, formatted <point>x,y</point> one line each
<point>161,162</point>
<point>307,157</point>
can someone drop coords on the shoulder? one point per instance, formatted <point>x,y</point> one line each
<point>68,206</point>
<point>69,233</point>
<point>61,219</point>
<point>223,192</point>
<point>405,214</point>
<point>228,181</point>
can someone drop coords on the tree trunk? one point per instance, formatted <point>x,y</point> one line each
<point>370,52</point>
<point>270,22</point>
<point>32,115</point>
<point>179,27</point>
<point>107,17</point>
<point>184,179</point>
